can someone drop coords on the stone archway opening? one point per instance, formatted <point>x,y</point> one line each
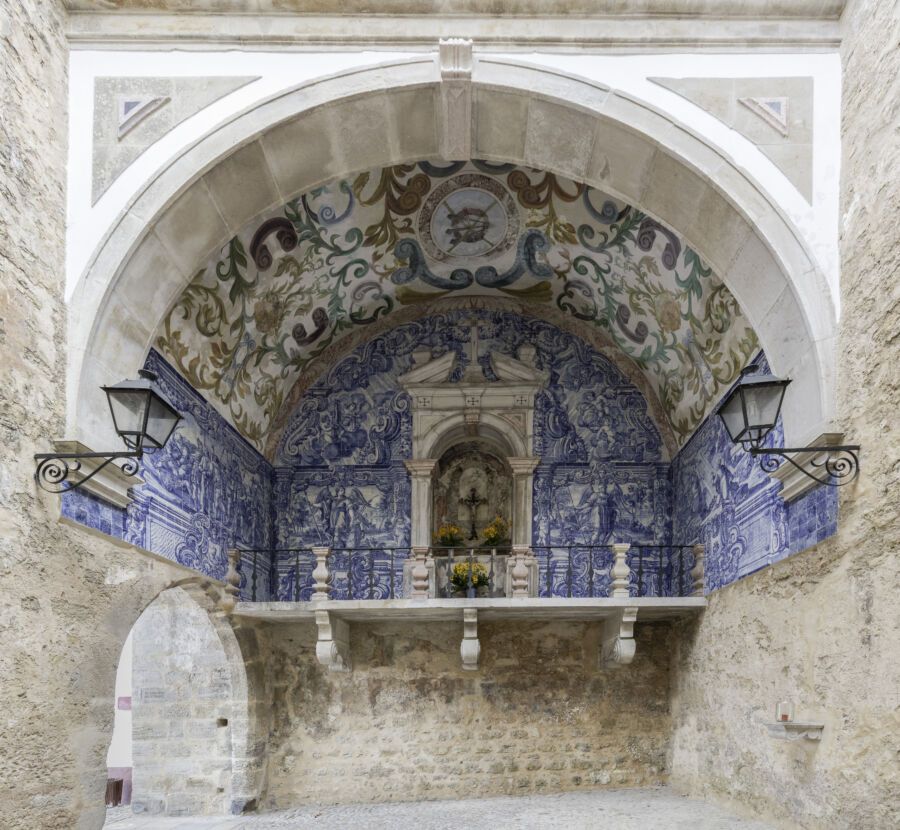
<point>119,759</point>
<point>191,708</point>
<point>183,710</point>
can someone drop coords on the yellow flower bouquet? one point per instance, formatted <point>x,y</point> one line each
<point>459,576</point>
<point>448,536</point>
<point>496,534</point>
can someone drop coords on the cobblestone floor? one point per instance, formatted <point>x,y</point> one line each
<point>627,809</point>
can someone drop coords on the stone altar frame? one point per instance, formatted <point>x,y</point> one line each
<point>445,413</point>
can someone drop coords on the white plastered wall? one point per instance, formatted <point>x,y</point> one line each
<point>610,127</point>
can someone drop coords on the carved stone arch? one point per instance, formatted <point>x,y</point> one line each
<point>501,432</point>
<point>521,114</point>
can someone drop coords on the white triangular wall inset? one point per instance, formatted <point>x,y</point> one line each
<point>133,110</point>
<point>772,110</point>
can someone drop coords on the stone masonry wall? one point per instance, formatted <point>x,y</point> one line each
<point>408,723</point>
<point>69,595</point>
<point>823,627</point>
<point>181,711</point>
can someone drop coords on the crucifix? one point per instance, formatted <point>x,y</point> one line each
<point>472,501</point>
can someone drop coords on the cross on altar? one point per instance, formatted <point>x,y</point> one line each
<point>472,501</point>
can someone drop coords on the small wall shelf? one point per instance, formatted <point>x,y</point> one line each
<point>794,730</point>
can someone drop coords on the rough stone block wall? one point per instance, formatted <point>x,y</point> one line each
<point>181,711</point>
<point>408,723</point>
<point>69,595</point>
<point>822,627</point>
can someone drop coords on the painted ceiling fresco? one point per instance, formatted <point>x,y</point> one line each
<point>350,253</point>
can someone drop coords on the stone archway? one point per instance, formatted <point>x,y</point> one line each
<point>519,114</point>
<point>197,706</point>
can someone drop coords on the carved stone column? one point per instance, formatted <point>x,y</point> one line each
<point>420,470</point>
<point>620,573</point>
<point>321,575</point>
<point>697,572</point>
<point>522,497</point>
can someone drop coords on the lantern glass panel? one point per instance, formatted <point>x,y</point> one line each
<point>732,414</point>
<point>129,408</point>
<point>160,423</point>
<point>763,403</point>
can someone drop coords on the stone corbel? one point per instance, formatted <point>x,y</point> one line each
<point>110,484</point>
<point>456,99</point>
<point>333,645</point>
<point>618,639</point>
<point>470,648</point>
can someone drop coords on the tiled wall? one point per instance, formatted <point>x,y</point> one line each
<point>339,479</point>
<point>205,491</point>
<point>723,499</point>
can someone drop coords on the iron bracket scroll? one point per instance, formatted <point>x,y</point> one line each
<point>55,468</point>
<point>839,466</point>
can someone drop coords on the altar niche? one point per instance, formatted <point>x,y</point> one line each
<point>472,484</point>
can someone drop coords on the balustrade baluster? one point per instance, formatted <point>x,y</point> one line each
<point>297,576</point>
<point>491,574</point>
<point>349,574</point>
<point>659,572</point>
<point>449,571</point>
<point>697,584</point>
<point>591,572</point>
<point>569,573</point>
<point>640,573</point>
<point>392,574</point>
<point>549,574</point>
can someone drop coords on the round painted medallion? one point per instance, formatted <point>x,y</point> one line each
<point>466,216</point>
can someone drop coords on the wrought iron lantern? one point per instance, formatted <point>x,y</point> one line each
<point>750,411</point>
<point>143,419</point>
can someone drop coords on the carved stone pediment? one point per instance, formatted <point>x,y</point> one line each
<point>436,371</point>
<point>510,370</point>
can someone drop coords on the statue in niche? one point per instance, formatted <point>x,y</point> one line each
<point>472,485</point>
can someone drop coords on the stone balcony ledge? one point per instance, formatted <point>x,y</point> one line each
<point>333,618</point>
<point>489,609</point>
